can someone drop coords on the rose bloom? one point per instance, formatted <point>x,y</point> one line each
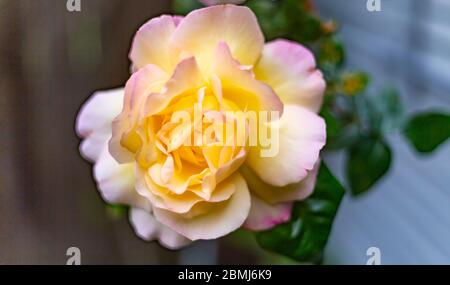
<point>214,58</point>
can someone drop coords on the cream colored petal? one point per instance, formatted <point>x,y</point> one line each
<point>92,146</point>
<point>116,182</point>
<point>240,87</point>
<point>94,121</point>
<point>221,219</point>
<point>264,216</point>
<point>125,140</point>
<point>151,44</point>
<point>226,169</point>
<point>288,159</point>
<point>186,77</point>
<point>149,229</point>
<point>160,196</point>
<point>290,69</point>
<point>273,194</point>
<point>179,182</point>
<point>201,30</point>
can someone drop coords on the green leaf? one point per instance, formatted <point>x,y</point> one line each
<point>428,130</point>
<point>334,125</point>
<point>368,161</point>
<point>304,237</point>
<point>340,132</point>
<point>348,136</point>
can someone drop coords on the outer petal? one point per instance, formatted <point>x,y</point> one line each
<point>94,121</point>
<point>92,146</point>
<point>201,31</point>
<point>240,87</point>
<point>222,218</point>
<point>273,194</point>
<point>116,182</point>
<point>148,228</point>
<point>290,69</point>
<point>264,216</point>
<point>151,44</point>
<point>302,134</point>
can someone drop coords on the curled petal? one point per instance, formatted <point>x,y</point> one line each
<point>159,196</point>
<point>264,216</point>
<point>220,220</point>
<point>240,87</point>
<point>201,31</point>
<point>223,170</point>
<point>186,77</point>
<point>151,44</point>
<point>125,140</point>
<point>290,69</point>
<point>149,229</point>
<point>177,203</point>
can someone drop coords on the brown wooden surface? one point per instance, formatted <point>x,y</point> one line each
<point>50,63</point>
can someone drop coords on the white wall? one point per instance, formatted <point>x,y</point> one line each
<point>407,215</point>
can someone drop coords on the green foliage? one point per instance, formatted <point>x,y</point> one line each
<point>304,237</point>
<point>331,55</point>
<point>427,131</point>
<point>353,83</point>
<point>368,160</point>
<point>289,19</point>
<point>390,110</point>
<point>116,211</point>
<point>357,122</point>
<point>341,131</point>
<point>183,7</point>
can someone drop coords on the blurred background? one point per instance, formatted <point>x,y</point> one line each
<point>51,61</point>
